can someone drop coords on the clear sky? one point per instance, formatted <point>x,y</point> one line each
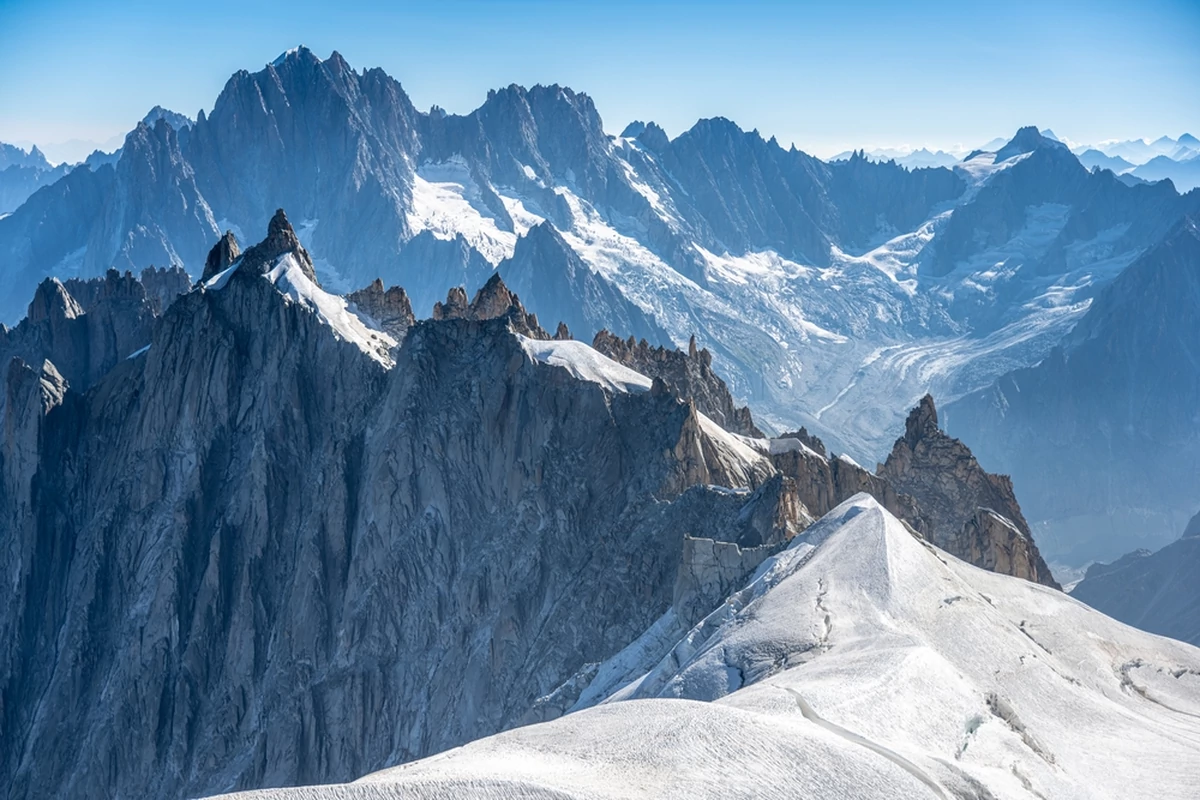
<point>826,76</point>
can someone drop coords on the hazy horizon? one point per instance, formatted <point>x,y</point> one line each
<point>822,76</point>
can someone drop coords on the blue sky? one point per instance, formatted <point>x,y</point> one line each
<point>826,76</point>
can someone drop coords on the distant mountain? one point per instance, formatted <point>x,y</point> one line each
<point>1093,158</point>
<point>1157,592</point>
<point>12,156</point>
<point>1139,151</point>
<point>1039,206</point>
<point>913,159</point>
<point>1184,174</point>
<point>993,145</point>
<point>1101,438</point>
<point>23,173</point>
<point>830,295</point>
<point>177,121</point>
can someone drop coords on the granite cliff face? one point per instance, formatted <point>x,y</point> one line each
<point>301,537</point>
<point>86,327</point>
<point>687,374</point>
<point>971,513</point>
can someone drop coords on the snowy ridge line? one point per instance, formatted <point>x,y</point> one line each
<point>927,685</point>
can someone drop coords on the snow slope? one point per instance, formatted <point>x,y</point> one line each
<point>585,363</point>
<point>860,662</point>
<point>288,276</point>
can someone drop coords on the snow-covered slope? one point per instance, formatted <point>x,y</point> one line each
<point>831,295</point>
<point>860,662</point>
<point>585,364</point>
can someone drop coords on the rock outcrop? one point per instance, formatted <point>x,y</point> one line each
<point>689,375</point>
<point>492,301</point>
<point>86,327</point>
<point>281,240</point>
<point>822,482</point>
<point>223,254</point>
<point>389,308</point>
<point>953,491</point>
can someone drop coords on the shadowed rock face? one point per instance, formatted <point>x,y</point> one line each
<point>281,240</point>
<point>257,555</point>
<point>389,308</point>
<point>952,490</point>
<point>254,556</point>
<point>689,375</point>
<point>223,254</point>
<point>86,327</point>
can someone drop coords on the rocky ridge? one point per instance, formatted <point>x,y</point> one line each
<point>972,513</point>
<point>254,554</point>
<point>687,374</point>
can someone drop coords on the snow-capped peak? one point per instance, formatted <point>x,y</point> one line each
<point>295,53</point>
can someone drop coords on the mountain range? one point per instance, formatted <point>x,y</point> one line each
<point>517,459</point>
<point>1158,592</point>
<point>831,295</point>
<point>260,534</point>
<point>1103,435</point>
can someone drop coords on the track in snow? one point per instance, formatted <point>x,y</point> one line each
<point>912,769</point>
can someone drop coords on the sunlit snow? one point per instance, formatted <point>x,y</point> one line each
<point>447,202</point>
<point>332,309</point>
<point>859,662</point>
<point>585,363</point>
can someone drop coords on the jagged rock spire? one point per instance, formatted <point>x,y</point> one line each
<point>281,240</point>
<point>688,375</point>
<point>52,300</point>
<point>922,421</point>
<point>973,514</point>
<point>222,255</point>
<point>390,309</point>
<point>492,301</point>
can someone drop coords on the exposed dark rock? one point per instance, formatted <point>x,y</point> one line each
<point>84,340</point>
<point>822,483</point>
<point>952,490</point>
<point>689,375</point>
<point>164,285</point>
<point>810,441</point>
<point>389,308</point>
<point>224,253</point>
<point>281,240</point>
<point>492,301</point>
